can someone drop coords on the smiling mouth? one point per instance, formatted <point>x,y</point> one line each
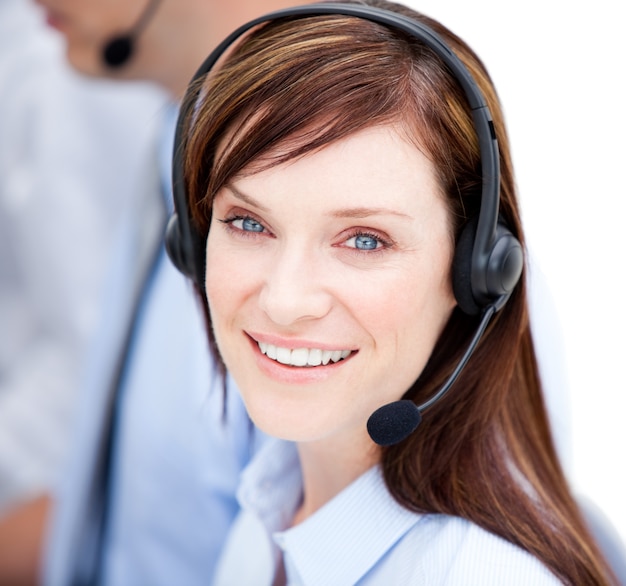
<point>302,357</point>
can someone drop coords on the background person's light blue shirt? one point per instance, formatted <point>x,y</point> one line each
<point>175,460</point>
<point>177,452</point>
<point>176,463</point>
<point>70,151</point>
<point>362,536</point>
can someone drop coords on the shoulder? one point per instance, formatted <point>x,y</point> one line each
<point>450,551</point>
<point>484,558</point>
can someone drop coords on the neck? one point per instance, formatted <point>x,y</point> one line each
<point>329,466</point>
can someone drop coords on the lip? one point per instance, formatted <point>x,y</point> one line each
<point>293,343</point>
<point>293,374</point>
<point>53,18</point>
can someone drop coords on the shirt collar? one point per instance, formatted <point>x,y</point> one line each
<point>343,540</point>
<point>271,485</point>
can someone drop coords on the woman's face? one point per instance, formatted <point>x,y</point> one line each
<point>328,282</point>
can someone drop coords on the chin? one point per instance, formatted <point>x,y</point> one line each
<point>290,428</point>
<point>287,422</point>
<point>87,65</point>
<point>304,422</point>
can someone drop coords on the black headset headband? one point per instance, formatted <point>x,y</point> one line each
<point>490,279</point>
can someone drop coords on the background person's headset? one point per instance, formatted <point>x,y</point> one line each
<point>488,258</point>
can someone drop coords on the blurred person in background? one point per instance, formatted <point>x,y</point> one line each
<point>73,154</point>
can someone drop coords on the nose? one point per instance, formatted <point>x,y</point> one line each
<point>294,290</point>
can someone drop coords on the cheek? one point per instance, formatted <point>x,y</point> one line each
<point>84,52</point>
<point>405,320</point>
<point>88,32</point>
<point>220,282</point>
<point>417,301</point>
<point>231,278</point>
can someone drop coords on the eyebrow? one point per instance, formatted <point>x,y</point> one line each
<point>246,198</point>
<point>354,213</point>
<point>363,212</point>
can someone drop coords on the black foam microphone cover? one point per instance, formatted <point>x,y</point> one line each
<point>394,422</point>
<point>118,51</point>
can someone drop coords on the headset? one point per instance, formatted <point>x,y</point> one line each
<point>488,259</point>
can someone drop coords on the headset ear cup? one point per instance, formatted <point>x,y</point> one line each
<point>462,269</point>
<point>506,263</point>
<point>499,276</point>
<point>176,248</point>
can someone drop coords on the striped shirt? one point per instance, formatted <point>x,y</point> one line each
<point>362,536</point>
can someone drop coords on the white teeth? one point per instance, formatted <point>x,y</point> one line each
<point>299,357</point>
<point>302,356</point>
<point>270,351</point>
<point>283,355</point>
<point>315,357</point>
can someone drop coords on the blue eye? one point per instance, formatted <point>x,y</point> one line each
<point>244,225</point>
<point>250,225</point>
<point>364,242</point>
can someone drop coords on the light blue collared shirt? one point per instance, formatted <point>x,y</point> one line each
<point>362,536</point>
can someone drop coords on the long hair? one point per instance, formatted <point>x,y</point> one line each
<point>290,88</point>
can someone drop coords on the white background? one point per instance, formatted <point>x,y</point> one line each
<point>559,69</point>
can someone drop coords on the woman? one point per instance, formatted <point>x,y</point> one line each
<point>332,166</point>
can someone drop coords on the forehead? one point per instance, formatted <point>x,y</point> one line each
<point>373,167</point>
